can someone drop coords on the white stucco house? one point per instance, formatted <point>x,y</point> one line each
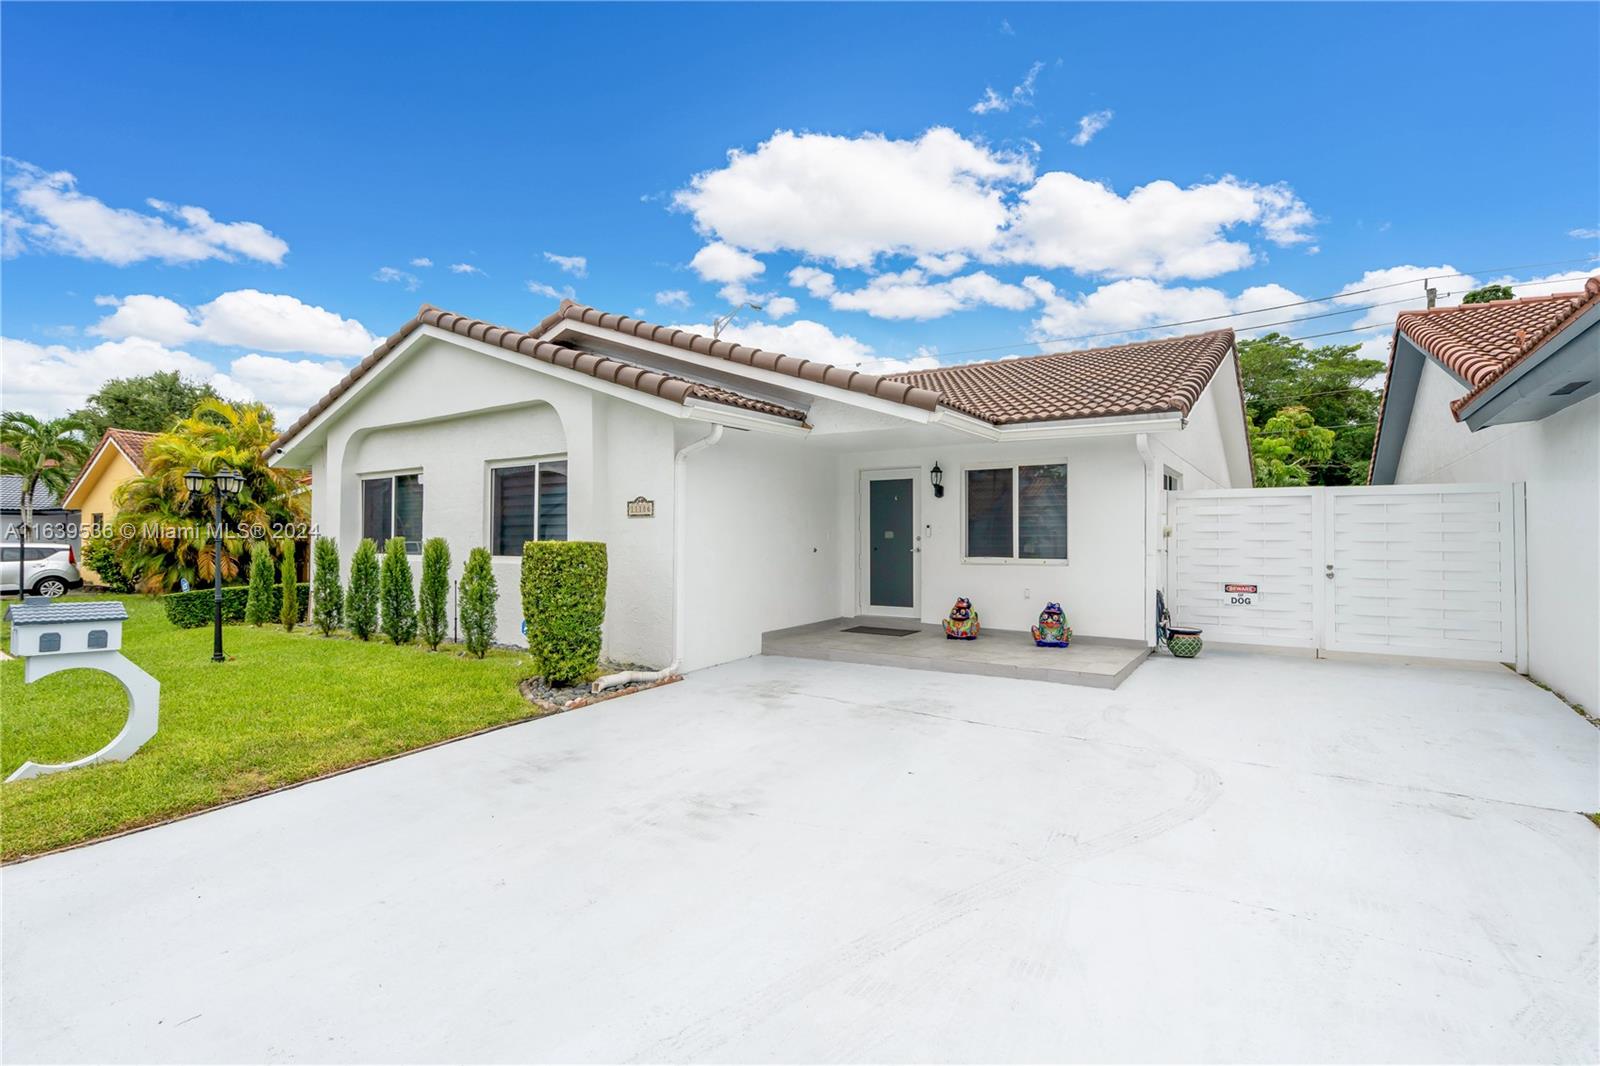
<point>742,491</point>
<point>1510,392</point>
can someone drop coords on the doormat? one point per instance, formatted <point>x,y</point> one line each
<point>881,631</point>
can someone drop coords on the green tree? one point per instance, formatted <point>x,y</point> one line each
<point>1333,383</point>
<point>289,593</point>
<point>1488,294</point>
<point>433,599</point>
<point>479,596</point>
<point>1287,445</point>
<point>102,553</point>
<point>44,454</point>
<point>398,595</point>
<point>327,598</point>
<point>258,602</point>
<point>168,528</point>
<point>361,601</point>
<point>150,402</point>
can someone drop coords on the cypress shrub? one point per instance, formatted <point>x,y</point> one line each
<point>433,599</point>
<point>564,604</point>
<point>361,602</point>
<point>258,603</point>
<point>398,595</point>
<point>327,601</point>
<point>289,611</point>
<point>479,595</point>
<point>191,610</point>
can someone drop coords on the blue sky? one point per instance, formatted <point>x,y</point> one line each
<point>224,189</point>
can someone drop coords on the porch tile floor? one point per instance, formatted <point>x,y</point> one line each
<point>996,653</point>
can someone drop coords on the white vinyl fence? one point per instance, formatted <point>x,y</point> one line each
<point>1421,570</point>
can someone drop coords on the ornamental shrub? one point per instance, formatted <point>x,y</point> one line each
<point>433,599</point>
<point>101,554</point>
<point>361,601</point>
<point>399,596</point>
<point>564,605</point>
<point>479,595</point>
<point>191,610</point>
<point>289,611</point>
<point>258,603</point>
<point>327,602</point>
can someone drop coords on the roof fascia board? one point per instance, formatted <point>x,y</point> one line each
<point>710,362</point>
<point>88,468</point>
<point>1507,381</point>
<point>1119,425</point>
<point>284,455</point>
<point>723,414</point>
<point>1399,397</point>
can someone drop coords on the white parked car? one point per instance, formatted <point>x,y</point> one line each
<point>50,569</point>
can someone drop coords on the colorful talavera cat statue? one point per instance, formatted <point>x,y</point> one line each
<point>963,621</point>
<point>1052,630</point>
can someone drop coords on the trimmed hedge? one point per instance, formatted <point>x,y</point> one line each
<point>564,604</point>
<point>190,610</point>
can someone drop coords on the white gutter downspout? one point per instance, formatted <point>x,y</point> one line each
<point>1151,557</point>
<point>680,527</point>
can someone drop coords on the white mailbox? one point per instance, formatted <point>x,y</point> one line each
<point>52,637</point>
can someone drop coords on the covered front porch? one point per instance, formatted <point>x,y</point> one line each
<point>904,642</point>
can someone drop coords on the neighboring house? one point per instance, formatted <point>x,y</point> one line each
<point>118,458</point>
<point>1510,391</point>
<point>52,523</point>
<point>741,491</point>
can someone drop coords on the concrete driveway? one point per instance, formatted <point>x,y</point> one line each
<point>1236,858</point>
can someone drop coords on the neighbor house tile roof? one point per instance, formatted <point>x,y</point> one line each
<point>629,375</point>
<point>886,388</point>
<point>1146,377</point>
<point>1479,343</point>
<point>131,442</point>
<point>11,495</point>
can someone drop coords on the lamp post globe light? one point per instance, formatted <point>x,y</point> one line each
<point>228,482</point>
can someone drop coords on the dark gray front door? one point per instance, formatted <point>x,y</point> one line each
<point>891,543</point>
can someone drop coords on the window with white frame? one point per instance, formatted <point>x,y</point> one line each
<point>1017,512</point>
<point>391,506</point>
<point>529,502</point>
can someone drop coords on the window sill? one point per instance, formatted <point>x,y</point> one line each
<point>970,561</point>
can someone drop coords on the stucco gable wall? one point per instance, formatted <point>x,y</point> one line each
<point>97,494</point>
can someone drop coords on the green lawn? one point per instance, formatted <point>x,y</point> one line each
<point>285,707</point>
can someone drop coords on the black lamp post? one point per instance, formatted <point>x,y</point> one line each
<point>936,476</point>
<point>228,482</point>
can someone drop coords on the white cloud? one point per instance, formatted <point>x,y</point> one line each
<point>50,380</point>
<point>464,268</point>
<point>289,386</point>
<point>1132,306</point>
<point>909,294</point>
<point>422,261</point>
<point>851,199</point>
<point>53,216</point>
<point>780,306</point>
<point>723,262</point>
<point>673,298</point>
<point>804,338</point>
<point>1400,288</point>
<point>818,283</point>
<point>942,199</point>
<point>576,265</point>
<point>1563,281</point>
<point>1091,124</point>
<point>1584,233</point>
<point>1157,230</point>
<point>243,318</point>
<point>399,277</point>
<point>539,288</point>
<point>1020,96</point>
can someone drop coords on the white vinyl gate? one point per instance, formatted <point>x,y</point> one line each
<point>1409,569</point>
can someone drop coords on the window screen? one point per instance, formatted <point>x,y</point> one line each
<point>408,511</point>
<point>553,501</point>
<point>530,503</point>
<point>1042,511</point>
<point>377,510</point>
<point>989,514</point>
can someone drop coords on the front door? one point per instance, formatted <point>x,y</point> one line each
<point>891,544</point>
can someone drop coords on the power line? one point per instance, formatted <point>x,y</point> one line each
<point>1300,303</point>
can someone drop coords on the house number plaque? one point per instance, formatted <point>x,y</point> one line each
<point>639,507</point>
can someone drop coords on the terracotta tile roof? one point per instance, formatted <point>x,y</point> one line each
<point>1141,378</point>
<point>1480,342</point>
<point>886,388</point>
<point>130,442</point>
<point>628,375</point>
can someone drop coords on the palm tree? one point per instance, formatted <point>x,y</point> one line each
<point>166,539</point>
<point>44,453</point>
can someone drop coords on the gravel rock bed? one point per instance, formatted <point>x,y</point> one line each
<point>568,698</point>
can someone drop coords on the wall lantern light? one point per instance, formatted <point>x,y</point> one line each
<point>936,476</point>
